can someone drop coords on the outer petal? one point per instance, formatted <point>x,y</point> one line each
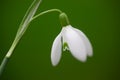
<point>75,43</point>
<point>56,50</point>
<point>86,41</point>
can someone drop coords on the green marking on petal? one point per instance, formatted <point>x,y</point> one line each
<point>65,46</point>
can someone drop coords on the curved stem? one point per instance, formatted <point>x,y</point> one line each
<point>44,12</point>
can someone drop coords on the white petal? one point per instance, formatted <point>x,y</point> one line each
<point>86,41</point>
<point>75,43</point>
<point>56,50</point>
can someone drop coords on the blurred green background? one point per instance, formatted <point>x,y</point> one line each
<point>98,19</point>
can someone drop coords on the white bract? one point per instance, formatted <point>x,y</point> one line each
<point>76,42</point>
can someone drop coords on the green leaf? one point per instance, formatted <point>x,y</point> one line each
<point>28,16</point>
<point>24,25</point>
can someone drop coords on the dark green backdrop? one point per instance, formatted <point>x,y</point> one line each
<point>99,19</point>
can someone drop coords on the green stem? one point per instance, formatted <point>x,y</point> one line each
<point>3,64</point>
<point>19,35</point>
<point>44,12</point>
<point>9,53</point>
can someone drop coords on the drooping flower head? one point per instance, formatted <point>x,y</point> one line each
<point>70,39</point>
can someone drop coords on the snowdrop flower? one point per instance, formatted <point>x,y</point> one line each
<point>70,39</point>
